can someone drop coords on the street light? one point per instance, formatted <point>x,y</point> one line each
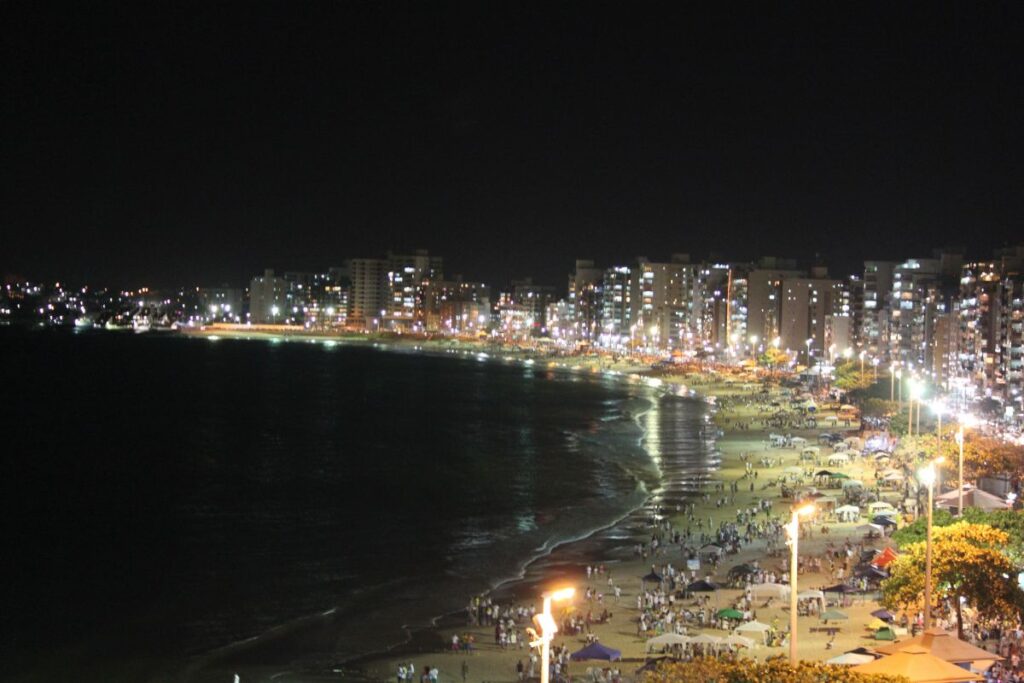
<point>927,477</point>
<point>874,362</point>
<point>916,389</point>
<point>939,408</point>
<point>548,628</point>
<point>794,536</point>
<point>862,354</point>
<point>809,342</point>
<point>966,420</point>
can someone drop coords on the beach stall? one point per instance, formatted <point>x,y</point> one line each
<point>596,651</point>
<point>813,595</point>
<point>754,629</point>
<point>848,513</point>
<point>738,641</point>
<point>826,504</point>
<point>838,459</point>
<point>973,498</point>
<point>810,453</point>
<point>764,591</point>
<point>798,441</point>
<point>944,645</point>
<point>666,640</point>
<point>917,665</point>
<point>711,552</point>
<point>878,506</point>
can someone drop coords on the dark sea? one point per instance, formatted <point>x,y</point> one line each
<point>166,497</point>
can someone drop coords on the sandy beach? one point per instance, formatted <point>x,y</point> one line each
<point>740,439</point>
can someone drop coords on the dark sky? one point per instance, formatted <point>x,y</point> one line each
<point>174,142</point>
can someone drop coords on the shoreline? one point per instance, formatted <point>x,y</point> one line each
<point>214,664</point>
<point>611,546</point>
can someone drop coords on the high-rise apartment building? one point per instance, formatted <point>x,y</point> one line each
<point>616,305</point>
<point>407,277</point>
<point>662,297</point>
<point>583,305</point>
<point>873,332</point>
<point>368,292</point>
<point>268,299</point>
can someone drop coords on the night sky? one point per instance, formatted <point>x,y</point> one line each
<point>197,143</point>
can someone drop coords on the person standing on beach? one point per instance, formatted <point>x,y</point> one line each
<point>465,670</point>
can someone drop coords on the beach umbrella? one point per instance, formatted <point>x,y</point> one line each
<point>653,577</point>
<point>730,614</point>
<point>596,651</point>
<point>833,615</point>
<point>839,588</point>
<point>702,586</point>
<point>883,614</point>
<point>883,520</point>
<point>823,473</point>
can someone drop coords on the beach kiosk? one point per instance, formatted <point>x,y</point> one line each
<point>810,453</point>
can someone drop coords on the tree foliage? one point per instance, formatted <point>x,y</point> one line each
<point>877,407</point>
<point>967,561</point>
<point>1009,521</point>
<point>850,378</point>
<point>709,670</point>
<point>773,358</point>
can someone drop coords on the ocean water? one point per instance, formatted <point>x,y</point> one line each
<point>167,497</point>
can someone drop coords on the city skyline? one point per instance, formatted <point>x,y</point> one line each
<point>202,143</point>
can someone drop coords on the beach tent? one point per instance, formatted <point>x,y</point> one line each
<point>884,615</point>
<point>823,473</point>
<point>833,615</point>
<point>850,659</point>
<point>702,586</point>
<point>839,588</point>
<point>944,645</point>
<point>769,590</point>
<point>666,640</point>
<point>596,651</point>
<point>706,639</point>
<point>826,503</point>
<point>879,505</point>
<point>883,520</point>
<point>885,557</point>
<point>730,613</point>
<point>810,595</point>
<point>852,484</point>
<point>918,666</point>
<point>809,453</point>
<point>973,498</point>
<point>877,623</point>
<point>839,475</point>
<point>854,442</point>
<point>652,577</point>
<point>870,529</point>
<point>838,459</point>
<point>848,510</point>
<point>798,441</point>
<point>752,627</point>
<point>738,641</point>
<point>885,633</point>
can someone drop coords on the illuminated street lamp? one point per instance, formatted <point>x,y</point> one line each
<point>927,477</point>
<point>777,342</point>
<point>966,420</point>
<point>274,310</point>
<point>862,355</point>
<point>809,342</point>
<point>793,529</point>
<point>939,408</point>
<point>548,628</point>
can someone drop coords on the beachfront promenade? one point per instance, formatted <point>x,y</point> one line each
<point>742,508</point>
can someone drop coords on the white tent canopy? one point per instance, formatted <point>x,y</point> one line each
<point>851,659</point>
<point>769,590</point>
<point>667,639</point>
<point>879,505</point>
<point>738,641</point>
<point>847,509</point>
<point>838,458</point>
<point>798,441</point>
<point>810,595</point>
<point>755,627</point>
<point>852,483</point>
<point>705,639</point>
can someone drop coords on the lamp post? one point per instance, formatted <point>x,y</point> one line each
<point>862,354</point>
<point>548,628</point>
<point>874,363</point>
<point>809,342</point>
<point>892,383</point>
<point>966,420</point>
<point>916,390</point>
<point>794,536</point>
<point>927,477</point>
<point>939,408</point>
